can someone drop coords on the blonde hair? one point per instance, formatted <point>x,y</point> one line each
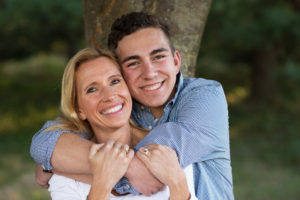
<point>69,109</point>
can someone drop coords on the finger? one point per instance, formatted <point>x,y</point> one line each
<point>130,154</point>
<point>45,186</point>
<point>162,188</point>
<point>143,157</point>
<point>94,149</point>
<point>109,144</point>
<point>153,146</point>
<point>118,145</point>
<point>144,150</point>
<point>168,148</point>
<point>125,148</point>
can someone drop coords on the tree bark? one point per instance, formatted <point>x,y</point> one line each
<point>186,20</point>
<point>263,83</point>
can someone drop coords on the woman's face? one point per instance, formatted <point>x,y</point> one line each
<point>102,94</point>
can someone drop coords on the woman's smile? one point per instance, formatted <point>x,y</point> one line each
<point>112,109</point>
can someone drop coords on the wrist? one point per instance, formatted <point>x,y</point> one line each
<point>130,169</point>
<point>179,188</point>
<point>99,190</point>
<point>177,181</point>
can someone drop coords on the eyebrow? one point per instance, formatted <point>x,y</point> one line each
<point>130,58</point>
<point>94,82</point>
<point>155,51</point>
<point>116,75</point>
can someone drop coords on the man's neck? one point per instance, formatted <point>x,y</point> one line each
<point>159,111</point>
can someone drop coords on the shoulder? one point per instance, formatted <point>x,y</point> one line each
<point>199,87</point>
<point>199,83</point>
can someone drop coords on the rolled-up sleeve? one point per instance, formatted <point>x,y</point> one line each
<point>198,128</point>
<point>43,143</point>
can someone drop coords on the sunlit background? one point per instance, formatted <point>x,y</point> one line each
<point>252,47</point>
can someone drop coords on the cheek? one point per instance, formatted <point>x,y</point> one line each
<point>131,76</point>
<point>124,91</point>
<point>86,103</point>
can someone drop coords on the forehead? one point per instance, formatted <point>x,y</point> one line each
<point>94,67</point>
<point>141,42</point>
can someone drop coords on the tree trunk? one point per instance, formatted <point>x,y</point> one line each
<point>186,20</point>
<point>263,83</point>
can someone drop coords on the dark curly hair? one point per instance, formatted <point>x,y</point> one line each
<point>132,22</point>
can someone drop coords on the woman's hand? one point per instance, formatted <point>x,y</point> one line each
<point>162,161</point>
<point>109,162</point>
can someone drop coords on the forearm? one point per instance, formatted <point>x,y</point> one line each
<point>141,178</point>
<point>96,193</point>
<point>70,154</point>
<point>85,178</point>
<point>179,189</point>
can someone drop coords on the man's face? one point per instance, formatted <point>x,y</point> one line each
<point>148,66</point>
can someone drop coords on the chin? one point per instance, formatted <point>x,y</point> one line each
<point>155,104</point>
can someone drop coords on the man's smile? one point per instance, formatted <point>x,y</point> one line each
<point>154,86</point>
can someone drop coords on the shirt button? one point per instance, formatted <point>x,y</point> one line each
<point>149,127</point>
<point>142,107</point>
<point>127,186</point>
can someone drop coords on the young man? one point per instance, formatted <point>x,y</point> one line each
<point>188,115</point>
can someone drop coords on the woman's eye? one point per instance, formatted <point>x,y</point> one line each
<point>115,81</point>
<point>90,90</point>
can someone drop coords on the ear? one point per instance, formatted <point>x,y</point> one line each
<point>177,61</point>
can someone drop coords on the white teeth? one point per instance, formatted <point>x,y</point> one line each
<point>153,87</point>
<point>113,109</point>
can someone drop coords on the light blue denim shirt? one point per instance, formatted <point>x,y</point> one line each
<point>194,124</point>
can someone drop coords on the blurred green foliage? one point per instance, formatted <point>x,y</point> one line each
<point>30,94</point>
<point>32,26</point>
<point>259,40</point>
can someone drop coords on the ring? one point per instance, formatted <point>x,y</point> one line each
<point>146,151</point>
<point>126,148</point>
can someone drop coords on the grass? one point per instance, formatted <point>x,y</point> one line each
<point>265,149</point>
<point>265,142</point>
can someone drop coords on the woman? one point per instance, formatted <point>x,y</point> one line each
<point>96,100</point>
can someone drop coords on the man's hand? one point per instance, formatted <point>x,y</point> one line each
<point>42,178</point>
<point>142,179</point>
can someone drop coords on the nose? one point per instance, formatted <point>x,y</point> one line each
<point>108,93</point>
<point>149,70</point>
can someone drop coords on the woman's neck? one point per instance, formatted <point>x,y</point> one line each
<point>121,134</point>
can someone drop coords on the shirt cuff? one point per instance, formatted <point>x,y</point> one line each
<point>124,186</point>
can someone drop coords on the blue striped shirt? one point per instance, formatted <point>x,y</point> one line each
<point>195,125</point>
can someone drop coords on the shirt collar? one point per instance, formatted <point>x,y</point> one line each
<point>178,86</point>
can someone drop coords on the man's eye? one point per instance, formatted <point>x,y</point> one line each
<point>115,81</point>
<point>158,57</point>
<point>132,64</point>
<point>90,90</point>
